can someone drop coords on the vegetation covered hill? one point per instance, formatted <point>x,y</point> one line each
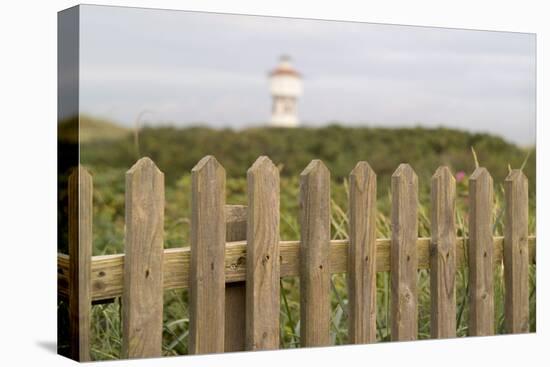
<point>91,129</point>
<point>177,150</point>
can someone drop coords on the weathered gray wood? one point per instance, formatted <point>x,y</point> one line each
<point>443,255</point>
<point>362,255</point>
<point>516,256</point>
<point>480,254</point>
<point>235,317</point>
<point>314,255</point>
<point>263,268</point>
<point>235,293</point>
<point>207,270</point>
<point>80,211</point>
<point>403,258</point>
<point>142,296</point>
<point>235,219</point>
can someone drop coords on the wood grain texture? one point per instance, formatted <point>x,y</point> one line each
<point>107,269</point>
<point>263,267</point>
<point>235,317</point>
<point>142,294</point>
<point>443,255</point>
<point>516,261</point>
<point>362,255</point>
<point>403,259</point>
<point>80,193</point>
<point>235,293</point>
<point>235,219</point>
<point>480,254</point>
<point>207,268</point>
<point>314,255</point>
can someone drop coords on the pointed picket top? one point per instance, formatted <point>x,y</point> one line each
<point>81,174</point>
<point>80,171</point>
<point>362,174</point>
<point>144,178</point>
<point>443,173</point>
<point>481,178</point>
<point>443,194</point>
<point>207,162</point>
<point>481,175</point>
<point>315,168</point>
<point>405,170</point>
<point>144,164</point>
<point>516,175</point>
<point>84,173</point>
<point>262,164</point>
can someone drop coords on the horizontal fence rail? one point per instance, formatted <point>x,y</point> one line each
<point>236,259</point>
<point>107,270</point>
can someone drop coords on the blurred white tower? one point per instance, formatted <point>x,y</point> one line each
<point>286,87</point>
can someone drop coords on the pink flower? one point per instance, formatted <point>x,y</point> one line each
<point>460,176</point>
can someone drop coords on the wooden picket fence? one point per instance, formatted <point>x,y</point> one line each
<point>236,258</point>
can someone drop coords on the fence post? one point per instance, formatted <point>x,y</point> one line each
<point>142,296</point>
<point>403,257</point>
<point>362,255</point>
<point>480,254</point>
<point>207,270</point>
<point>262,253</point>
<point>235,293</point>
<point>443,255</point>
<point>80,209</point>
<point>516,254</point>
<point>314,255</point>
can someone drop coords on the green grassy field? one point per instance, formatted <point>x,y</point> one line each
<point>177,150</point>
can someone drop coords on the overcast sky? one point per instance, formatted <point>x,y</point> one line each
<point>186,67</point>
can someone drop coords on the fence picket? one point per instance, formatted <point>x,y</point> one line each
<point>207,282</point>
<point>314,255</point>
<point>443,255</point>
<point>403,259</point>
<point>263,267</point>
<point>235,292</point>
<point>142,299</point>
<point>80,211</point>
<point>516,254</point>
<point>480,254</point>
<point>362,255</point>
